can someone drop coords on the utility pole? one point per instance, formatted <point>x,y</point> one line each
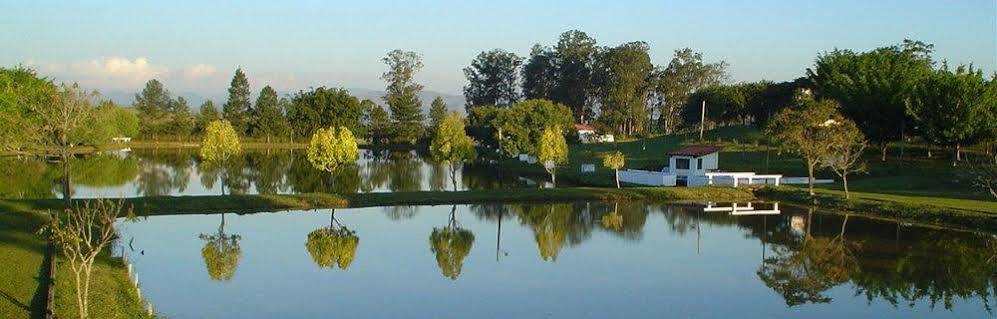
<point>702,120</point>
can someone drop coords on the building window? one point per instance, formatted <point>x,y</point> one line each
<point>681,163</point>
<point>699,163</point>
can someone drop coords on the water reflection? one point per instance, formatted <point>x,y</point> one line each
<point>811,264</point>
<point>172,172</point>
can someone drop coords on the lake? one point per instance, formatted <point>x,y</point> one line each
<point>178,172</point>
<point>567,260</point>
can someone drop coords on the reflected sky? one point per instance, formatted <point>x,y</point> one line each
<point>574,260</point>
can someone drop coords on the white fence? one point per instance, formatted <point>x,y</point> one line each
<point>650,178</point>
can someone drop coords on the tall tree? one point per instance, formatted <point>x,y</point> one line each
<point>402,95</point>
<point>575,53</point>
<point>181,120</point>
<point>518,128</point>
<point>153,106</point>
<point>956,108</point>
<point>493,79</point>
<point>324,107</point>
<point>437,111</point>
<point>685,73</point>
<point>237,110</point>
<point>62,127</point>
<point>874,88</point>
<point>539,74</point>
<point>845,156</point>
<point>725,104</point>
<point>270,120</point>
<point>377,123</point>
<point>207,113</point>
<point>623,89</point>
<point>21,92</point>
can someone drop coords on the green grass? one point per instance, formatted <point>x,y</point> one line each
<point>22,288</point>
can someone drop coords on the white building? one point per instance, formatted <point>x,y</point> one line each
<point>689,162</point>
<point>696,165</point>
<point>587,134</point>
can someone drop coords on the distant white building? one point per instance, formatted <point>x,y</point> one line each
<point>695,165</point>
<point>587,134</point>
<point>697,160</point>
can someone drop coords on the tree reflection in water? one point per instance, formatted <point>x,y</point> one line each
<point>451,244</point>
<point>333,246</point>
<point>221,253</point>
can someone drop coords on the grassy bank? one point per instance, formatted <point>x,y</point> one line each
<point>973,215</point>
<point>22,290</point>
<point>163,205</point>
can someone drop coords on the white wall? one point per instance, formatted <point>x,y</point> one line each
<point>710,162</point>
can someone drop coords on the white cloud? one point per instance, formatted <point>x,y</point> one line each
<point>113,72</point>
<point>199,70</point>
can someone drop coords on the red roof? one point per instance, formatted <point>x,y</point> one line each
<point>584,127</point>
<point>695,150</point>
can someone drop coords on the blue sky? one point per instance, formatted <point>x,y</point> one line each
<point>195,46</point>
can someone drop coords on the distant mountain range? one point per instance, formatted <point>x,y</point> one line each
<point>454,102</point>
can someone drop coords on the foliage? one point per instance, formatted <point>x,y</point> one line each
<point>808,129</point>
<point>21,92</point>
<point>956,108</point>
<point>685,73</point>
<point>614,161</point>
<point>402,95</point>
<point>876,87</point>
<point>378,121</point>
<point>332,246</point>
<point>437,111</point>
<point>62,124</point>
<point>82,236</point>
<point>331,148</point>
<point>539,73</point>
<point>220,142</point>
<point>451,244</point>
<point>983,174</point>
<point>221,253</point>
<point>181,120</point>
<point>492,79</point>
<point>621,80</point>
<point>518,128</point>
<point>725,104</point>
<point>845,156</point>
<point>269,118</point>
<point>237,109</point>
<point>552,150</point>
<point>451,145</point>
<point>153,106</point>
<point>575,52</point>
<point>109,121</point>
<point>206,114</point>
<point>324,107</point>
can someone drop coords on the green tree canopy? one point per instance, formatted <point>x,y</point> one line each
<point>437,111</point>
<point>21,92</point>
<point>684,74</point>
<point>451,145</point>
<point>402,95</point>
<point>956,108</point>
<point>332,247</point>
<point>539,74</point>
<point>331,148</point>
<point>153,106</point>
<point>270,120</point>
<point>492,77</point>
<point>237,109</point>
<point>221,253</point>
<point>206,114</point>
<point>621,80</point>
<point>614,161</point>
<point>220,142</point>
<point>324,107</point>
<point>519,127</point>
<point>451,244</point>
<point>552,151</point>
<point>808,128</point>
<point>575,52</point>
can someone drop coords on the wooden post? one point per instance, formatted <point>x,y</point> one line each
<point>702,120</point>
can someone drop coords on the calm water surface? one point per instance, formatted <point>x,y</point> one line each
<point>577,260</point>
<point>177,172</point>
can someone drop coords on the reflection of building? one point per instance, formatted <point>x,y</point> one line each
<point>798,224</point>
<point>743,209</point>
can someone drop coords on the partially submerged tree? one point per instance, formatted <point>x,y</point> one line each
<point>82,234</point>
<point>219,145</point>
<point>614,161</point>
<point>451,244</point>
<point>807,128</point>
<point>332,148</point>
<point>845,156</point>
<point>451,145</point>
<point>552,151</point>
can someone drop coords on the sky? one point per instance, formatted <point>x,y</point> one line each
<point>195,46</point>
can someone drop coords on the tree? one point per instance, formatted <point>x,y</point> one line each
<point>332,148</point>
<point>21,92</point>
<point>874,88</point>
<point>402,95</point>
<point>539,74</point>
<point>518,128</point>
<point>956,108</point>
<point>107,122</point>
<point>451,145</point>
<point>237,110</point>
<point>725,104</point>
<point>219,144</point>
<point>492,78</point>
<point>552,151</point>
<point>614,161</point>
<point>437,111</point>
<point>575,52</point>
<point>378,122</point>
<point>807,128</point>
<point>206,114</point>
<point>181,120</point>
<point>685,73</point>
<point>332,246</point>
<point>983,174</point>
<point>845,157</point>
<point>221,253</point>
<point>451,244</point>
<point>82,235</point>
<point>622,86</point>
<point>153,106</point>
<point>324,107</point>
<point>62,126</point>
<point>270,120</point>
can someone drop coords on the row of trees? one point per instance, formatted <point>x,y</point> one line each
<point>618,88</point>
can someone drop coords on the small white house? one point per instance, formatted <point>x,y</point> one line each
<point>587,134</point>
<point>690,161</point>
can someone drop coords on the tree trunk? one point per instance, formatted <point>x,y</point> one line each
<point>453,175</point>
<point>810,173</point>
<point>67,192</point>
<point>844,181</point>
<point>958,152</point>
<point>617,178</point>
<point>882,148</point>
<point>553,178</point>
